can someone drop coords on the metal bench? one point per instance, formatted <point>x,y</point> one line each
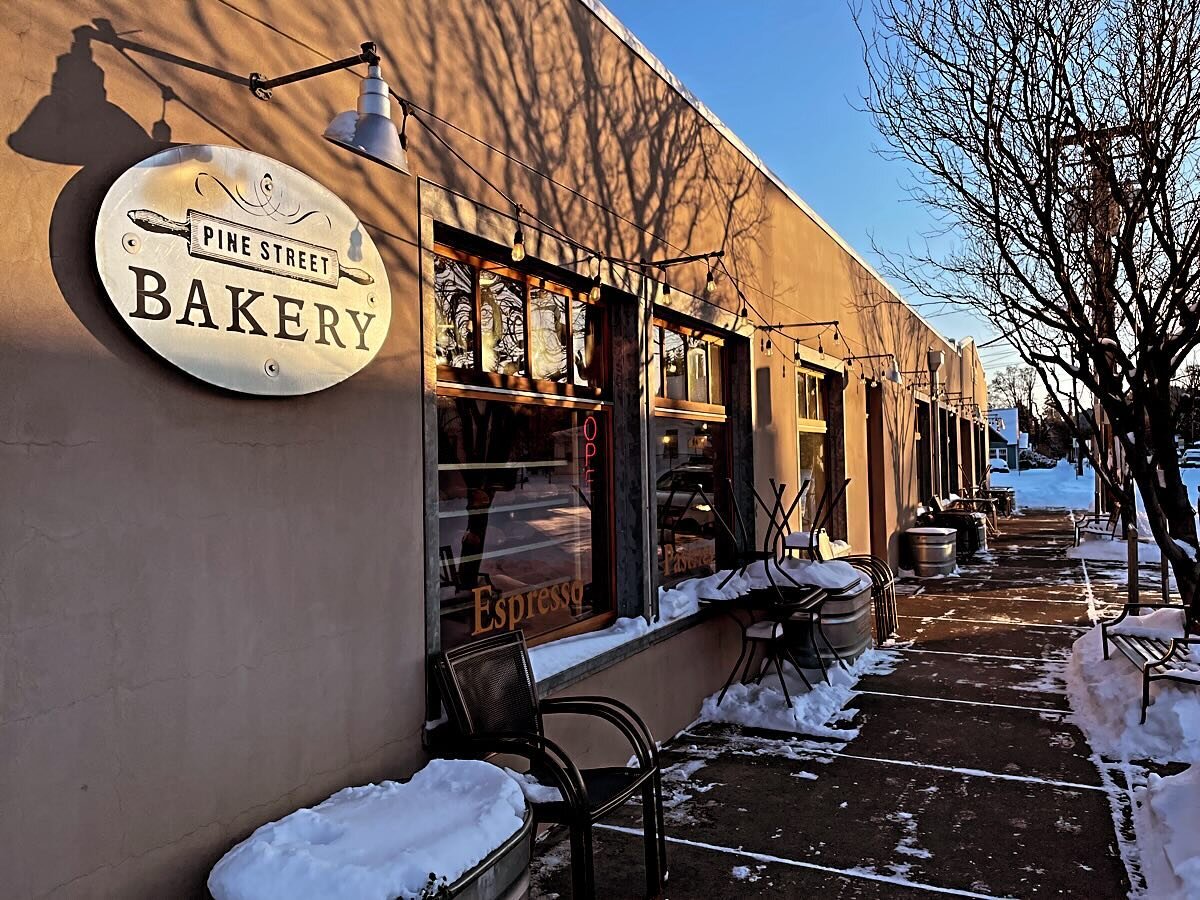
<point>1158,658</point>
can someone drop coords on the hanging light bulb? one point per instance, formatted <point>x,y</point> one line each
<point>820,347</point>
<point>710,282</point>
<point>769,348</point>
<point>518,244</point>
<point>666,294</point>
<point>836,334</point>
<point>796,355</point>
<point>594,291</point>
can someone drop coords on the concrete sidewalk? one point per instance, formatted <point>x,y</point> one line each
<point>966,779</point>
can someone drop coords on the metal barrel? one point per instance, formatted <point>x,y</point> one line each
<point>932,550</point>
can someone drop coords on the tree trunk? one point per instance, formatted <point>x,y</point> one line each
<point>1168,507</point>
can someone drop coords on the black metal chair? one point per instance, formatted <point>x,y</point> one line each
<point>492,702</point>
<point>883,594</point>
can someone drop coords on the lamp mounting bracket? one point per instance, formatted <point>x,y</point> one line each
<point>261,87</point>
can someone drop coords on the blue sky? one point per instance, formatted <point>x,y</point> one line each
<point>787,76</point>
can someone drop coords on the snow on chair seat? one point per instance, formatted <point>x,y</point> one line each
<point>1158,644</point>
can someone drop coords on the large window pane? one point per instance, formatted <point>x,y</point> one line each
<point>454,289</point>
<point>522,512</point>
<point>674,362</point>
<point>697,367</point>
<point>502,324</point>
<point>716,373</point>
<point>587,342</point>
<point>691,490</point>
<point>813,470</point>
<point>548,334</point>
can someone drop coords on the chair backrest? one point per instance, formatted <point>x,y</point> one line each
<point>489,687</point>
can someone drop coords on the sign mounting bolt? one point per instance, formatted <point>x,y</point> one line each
<point>131,242</point>
<point>271,368</point>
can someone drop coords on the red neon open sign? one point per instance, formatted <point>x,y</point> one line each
<point>591,430</point>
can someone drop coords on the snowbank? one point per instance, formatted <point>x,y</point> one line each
<point>1106,699</point>
<point>1056,488</point>
<point>1100,549</point>
<point>1170,813</point>
<point>1105,696</point>
<point>811,712</point>
<point>684,600</point>
<point>378,841</point>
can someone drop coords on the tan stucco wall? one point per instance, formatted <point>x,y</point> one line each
<point>210,605</point>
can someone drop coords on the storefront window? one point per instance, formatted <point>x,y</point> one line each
<point>523,530</point>
<point>524,533</point>
<point>691,452</point>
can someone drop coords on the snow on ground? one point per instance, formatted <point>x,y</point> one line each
<point>684,600</point>
<point>814,712</point>
<point>1105,697</point>
<point>1102,549</point>
<point>366,842</point>
<point>1056,488</point>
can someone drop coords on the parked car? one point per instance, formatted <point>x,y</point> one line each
<point>680,507</point>
<point>998,464</point>
<point>1191,459</point>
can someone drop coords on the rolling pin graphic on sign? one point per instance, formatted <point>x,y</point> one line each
<point>223,241</point>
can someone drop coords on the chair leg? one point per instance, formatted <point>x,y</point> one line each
<point>650,826</point>
<point>1145,699</point>
<point>787,697</point>
<point>796,665</point>
<point>812,639</point>
<point>663,869</point>
<point>583,883</point>
<point>733,672</point>
<point>832,649</point>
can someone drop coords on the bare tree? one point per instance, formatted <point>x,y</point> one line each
<point>1057,141</point>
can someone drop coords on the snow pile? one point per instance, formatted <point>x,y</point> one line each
<point>378,841</point>
<point>1056,488</point>
<point>534,790</point>
<point>1170,811</point>
<point>1106,697</point>
<point>684,600</point>
<point>811,712</point>
<point>1100,549</point>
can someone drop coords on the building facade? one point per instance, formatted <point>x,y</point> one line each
<point>216,607</point>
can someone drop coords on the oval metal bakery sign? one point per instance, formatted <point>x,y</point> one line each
<point>242,271</point>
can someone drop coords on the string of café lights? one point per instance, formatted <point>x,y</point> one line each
<point>715,259</point>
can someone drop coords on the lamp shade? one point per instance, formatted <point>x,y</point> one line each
<point>369,131</point>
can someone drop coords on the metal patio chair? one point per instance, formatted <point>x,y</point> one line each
<point>491,699</point>
<point>883,594</point>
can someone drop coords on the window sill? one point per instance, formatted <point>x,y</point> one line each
<point>610,657</point>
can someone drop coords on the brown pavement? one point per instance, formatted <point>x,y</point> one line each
<point>967,777</point>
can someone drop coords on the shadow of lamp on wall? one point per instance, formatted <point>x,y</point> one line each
<point>72,123</point>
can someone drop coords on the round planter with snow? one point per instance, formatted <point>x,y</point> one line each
<point>456,829</point>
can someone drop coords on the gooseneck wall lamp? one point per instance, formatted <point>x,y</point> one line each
<point>368,130</point>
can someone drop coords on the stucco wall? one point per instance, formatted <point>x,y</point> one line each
<point>211,606</point>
